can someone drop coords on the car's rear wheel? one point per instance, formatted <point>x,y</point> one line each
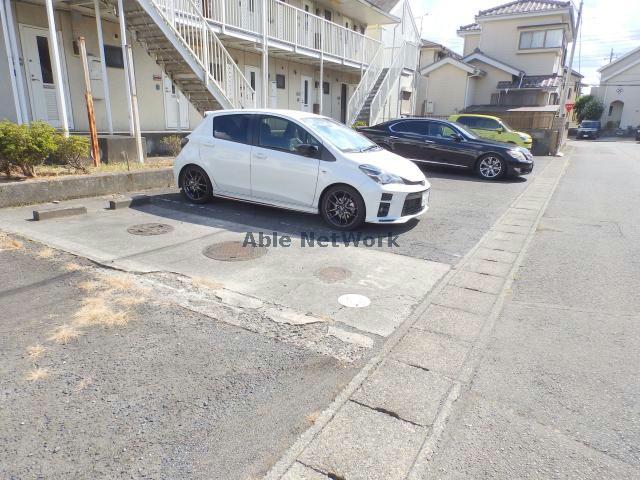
<point>343,208</point>
<point>195,184</point>
<point>491,167</point>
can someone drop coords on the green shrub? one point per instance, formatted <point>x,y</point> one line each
<point>24,146</point>
<point>173,144</point>
<point>588,107</point>
<point>73,152</point>
<point>360,123</point>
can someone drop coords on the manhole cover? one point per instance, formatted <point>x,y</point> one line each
<point>233,251</point>
<point>353,300</point>
<point>333,274</point>
<point>147,229</point>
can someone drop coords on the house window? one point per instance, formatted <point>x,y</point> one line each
<point>325,88</point>
<point>279,81</point>
<point>113,56</point>
<point>610,109</point>
<point>541,39</point>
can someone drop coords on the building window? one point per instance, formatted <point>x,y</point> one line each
<point>325,88</point>
<point>541,39</point>
<point>279,81</point>
<point>610,109</point>
<point>113,56</point>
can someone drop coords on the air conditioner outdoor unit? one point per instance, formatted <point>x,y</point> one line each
<point>427,107</point>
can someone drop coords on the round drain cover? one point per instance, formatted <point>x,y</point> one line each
<point>233,251</point>
<point>353,300</point>
<point>333,274</point>
<point>147,229</point>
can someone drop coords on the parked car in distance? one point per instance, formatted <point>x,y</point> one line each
<point>299,161</point>
<point>638,134</point>
<point>439,142</point>
<point>588,129</point>
<point>493,128</point>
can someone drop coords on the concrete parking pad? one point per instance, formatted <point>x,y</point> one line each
<point>286,275</point>
<point>371,445</point>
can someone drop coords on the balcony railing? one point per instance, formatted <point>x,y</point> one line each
<point>293,26</point>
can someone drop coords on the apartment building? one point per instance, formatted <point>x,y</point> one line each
<point>513,56</point>
<point>183,57</point>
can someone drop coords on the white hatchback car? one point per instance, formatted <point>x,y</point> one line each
<point>299,161</point>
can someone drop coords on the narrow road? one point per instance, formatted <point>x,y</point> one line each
<point>555,394</point>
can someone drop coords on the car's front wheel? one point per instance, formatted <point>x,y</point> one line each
<point>343,208</point>
<point>491,167</point>
<point>195,184</point>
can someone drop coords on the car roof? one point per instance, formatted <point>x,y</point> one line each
<point>295,114</point>
<point>476,115</point>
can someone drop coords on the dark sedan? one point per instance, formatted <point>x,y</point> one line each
<point>588,129</point>
<point>439,142</point>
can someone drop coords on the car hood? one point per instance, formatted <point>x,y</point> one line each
<point>389,162</point>
<point>526,135</point>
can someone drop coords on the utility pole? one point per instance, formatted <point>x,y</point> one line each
<point>567,78</point>
<point>93,133</point>
<point>611,56</point>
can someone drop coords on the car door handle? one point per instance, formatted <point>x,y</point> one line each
<point>260,156</point>
<point>429,142</point>
<point>393,137</point>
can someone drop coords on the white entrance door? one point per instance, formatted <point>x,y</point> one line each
<point>252,74</point>
<point>40,78</point>
<point>305,94</point>
<point>176,106</point>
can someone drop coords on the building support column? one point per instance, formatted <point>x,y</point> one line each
<point>57,68</point>
<point>123,43</point>
<point>16,58</point>
<point>321,89</point>
<point>134,104</point>
<point>11,62</point>
<point>265,56</point>
<point>103,65</point>
<point>466,93</point>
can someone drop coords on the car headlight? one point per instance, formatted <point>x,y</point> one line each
<point>380,175</point>
<point>517,154</point>
<point>524,137</point>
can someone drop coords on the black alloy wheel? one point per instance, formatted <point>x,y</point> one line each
<point>195,184</point>
<point>343,208</point>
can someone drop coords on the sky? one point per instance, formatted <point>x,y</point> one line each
<point>606,24</point>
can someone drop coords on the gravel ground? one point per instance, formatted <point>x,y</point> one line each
<point>102,377</point>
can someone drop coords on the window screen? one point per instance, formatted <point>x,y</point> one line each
<point>234,128</point>
<point>280,81</point>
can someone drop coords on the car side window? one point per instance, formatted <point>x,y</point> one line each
<point>470,122</point>
<point>234,128</point>
<point>282,134</point>
<point>441,130</point>
<point>418,127</point>
<point>488,124</point>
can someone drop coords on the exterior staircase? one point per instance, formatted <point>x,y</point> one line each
<point>365,112</point>
<point>178,37</point>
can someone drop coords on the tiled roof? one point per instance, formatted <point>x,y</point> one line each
<point>524,6</point>
<point>469,28</point>
<point>532,81</point>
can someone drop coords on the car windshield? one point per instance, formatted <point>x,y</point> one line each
<point>340,136</point>
<point>589,124</point>
<point>467,132</point>
<point>506,126</point>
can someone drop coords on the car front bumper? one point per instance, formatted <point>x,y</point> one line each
<point>393,205</point>
<point>582,134</point>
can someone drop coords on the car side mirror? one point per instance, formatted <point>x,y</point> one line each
<point>456,137</point>
<point>500,130</point>
<point>307,149</point>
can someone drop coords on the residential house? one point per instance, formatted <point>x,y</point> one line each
<point>513,56</point>
<point>619,91</point>
<point>185,57</point>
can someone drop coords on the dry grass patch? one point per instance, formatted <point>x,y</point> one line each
<point>72,267</point>
<point>117,282</point>
<point>82,384</point>
<point>65,334</point>
<point>8,243</point>
<point>202,282</point>
<point>37,374</point>
<point>96,311</point>
<point>35,351</point>
<point>312,417</point>
<point>46,253</point>
<point>90,285</point>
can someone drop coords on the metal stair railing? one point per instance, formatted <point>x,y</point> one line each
<point>185,19</point>
<point>390,79</point>
<point>368,80</point>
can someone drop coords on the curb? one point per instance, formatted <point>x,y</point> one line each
<point>67,188</point>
